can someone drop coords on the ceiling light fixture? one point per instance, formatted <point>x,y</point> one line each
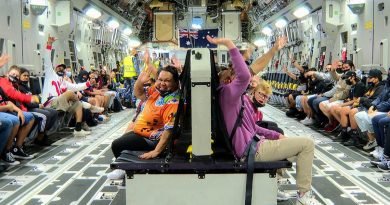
<point>93,13</point>
<point>301,12</point>
<point>267,31</point>
<point>113,24</point>
<point>281,23</point>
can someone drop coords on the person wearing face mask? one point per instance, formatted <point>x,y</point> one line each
<point>381,105</point>
<point>153,126</point>
<point>272,145</point>
<point>375,86</point>
<point>259,97</point>
<point>340,112</point>
<point>45,116</point>
<point>59,94</point>
<point>337,95</point>
<point>26,118</point>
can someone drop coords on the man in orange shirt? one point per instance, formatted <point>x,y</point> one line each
<point>153,126</point>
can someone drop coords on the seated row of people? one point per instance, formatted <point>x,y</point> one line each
<point>25,118</point>
<point>234,82</point>
<point>350,106</point>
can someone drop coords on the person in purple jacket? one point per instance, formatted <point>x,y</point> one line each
<point>272,145</point>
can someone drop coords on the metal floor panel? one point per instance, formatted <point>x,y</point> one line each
<point>73,171</point>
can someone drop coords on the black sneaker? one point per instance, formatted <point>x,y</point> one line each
<point>384,166</point>
<point>9,159</point>
<point>351,142</point>
<point>19,153</point>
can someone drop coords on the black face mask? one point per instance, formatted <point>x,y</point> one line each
<point>60,73</point>
<point>164,93</point>
<point>340,71</point>
<point>348,81</point>
<point>23,83</point>
<point>371,84</point>
<point>13,79</point>
<point>257,104</point>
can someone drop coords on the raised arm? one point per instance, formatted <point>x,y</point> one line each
<point>263,61</point>
<point>139,91</point>
<point>242,75</point>
<point>4,59</point>
<point>292,75</point>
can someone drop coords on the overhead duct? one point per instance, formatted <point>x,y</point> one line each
<point>156,4</point>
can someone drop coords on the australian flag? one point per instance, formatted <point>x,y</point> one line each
<point>191,38</point>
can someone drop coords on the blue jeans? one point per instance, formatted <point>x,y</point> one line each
<point>129,92</point>
<point>314,104</point>
<point>28,116</point>
<point>7,123</point>
<point>381,125</point>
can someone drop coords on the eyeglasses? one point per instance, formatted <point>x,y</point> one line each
<point>262,95</point>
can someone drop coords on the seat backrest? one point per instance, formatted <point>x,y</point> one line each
<point>182,130</point>
<point>222,146</point>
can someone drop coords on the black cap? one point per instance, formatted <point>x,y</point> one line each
<point>375,73</point>
<point>348,74</point>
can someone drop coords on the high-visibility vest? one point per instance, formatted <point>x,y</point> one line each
<point>156,64</point>
<point>128,67</point>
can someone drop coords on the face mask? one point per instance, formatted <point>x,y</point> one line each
<point>371,84</point>
<point>60,73</point>
<point>69,74</point>
<point>13,79</point>
<point>348,81</point>
<point>339,71</point>
<point>23,82</point>
<point>164,93</point>
<point>257,104</point>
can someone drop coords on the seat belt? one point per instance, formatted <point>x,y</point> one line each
<point>239,118</point>
<point>250,152</point>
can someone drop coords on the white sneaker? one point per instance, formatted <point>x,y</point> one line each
<point>86,105</point>
<point>375,152</point>
<point>304,120</point>
<point>85,127</point>
<point>116,174</point>
<point>95,109</point>
<point>307,199</point>
<point>81,133</point>
<point>308,121</point>
<point>370,145</point>
<point>378,155</point>
<point>283,196</point>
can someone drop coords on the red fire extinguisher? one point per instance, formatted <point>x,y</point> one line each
<point>322,59</point>
<point>276,64</point>
<point>344,54</point>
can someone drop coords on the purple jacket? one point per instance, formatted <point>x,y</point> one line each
<point>230,102</point>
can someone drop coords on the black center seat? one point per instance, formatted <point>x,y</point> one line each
<point>175,160</point>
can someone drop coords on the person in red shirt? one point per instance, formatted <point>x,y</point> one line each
<point>26,118</point>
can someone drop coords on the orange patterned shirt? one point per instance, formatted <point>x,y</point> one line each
<point>158,114</point>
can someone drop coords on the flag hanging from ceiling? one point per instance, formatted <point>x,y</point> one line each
<point>191,38</point>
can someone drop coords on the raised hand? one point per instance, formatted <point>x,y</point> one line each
<point>50,40</point>
<point>144,77</point>
<point>291,56</point>
<point>335,65</point>
<point>223,41</point>
<point>280,42</point>
<point>146,57</point>
<point>284,69</point>
<point>4,59</point>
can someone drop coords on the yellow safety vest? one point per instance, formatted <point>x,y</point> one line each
<point>156,64</point>
<point>128,67</point>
